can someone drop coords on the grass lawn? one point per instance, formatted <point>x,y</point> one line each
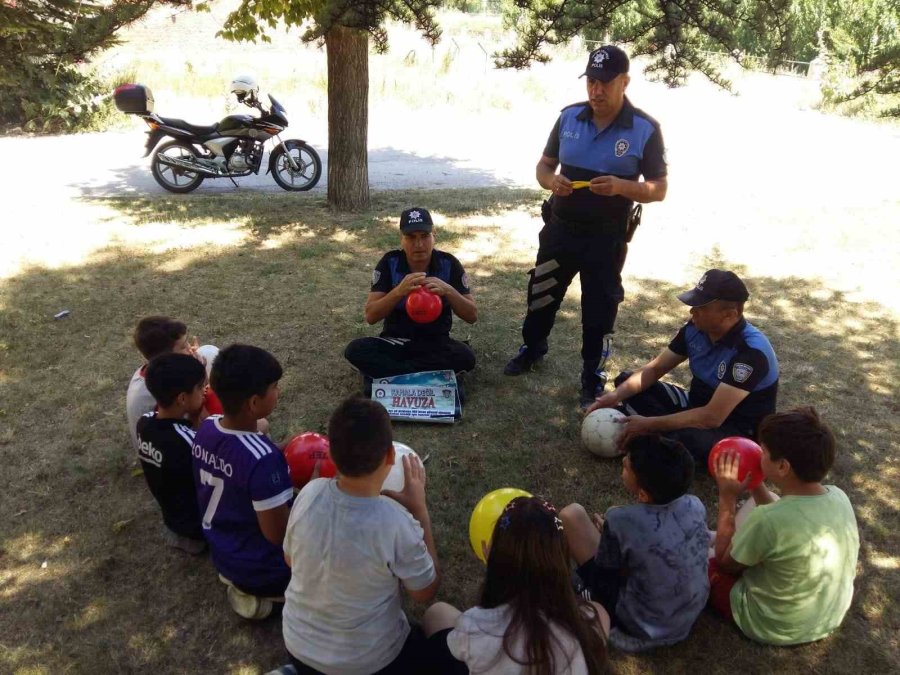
<point>86,584</point>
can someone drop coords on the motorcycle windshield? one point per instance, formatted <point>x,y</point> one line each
<point>276,106</point>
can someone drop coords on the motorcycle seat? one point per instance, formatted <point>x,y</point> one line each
<point>190,128</point>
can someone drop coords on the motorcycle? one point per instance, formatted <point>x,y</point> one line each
<point>231,148</point>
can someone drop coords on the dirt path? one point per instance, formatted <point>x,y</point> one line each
<point>753,181</point>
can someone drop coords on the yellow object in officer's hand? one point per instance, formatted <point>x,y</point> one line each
<point>485,516</point>
<point>578,184</point>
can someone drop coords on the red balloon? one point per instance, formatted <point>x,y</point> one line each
<point>749,458</point>
<point>302,452</point>
<point>212,403</point>
<point>423,306</point>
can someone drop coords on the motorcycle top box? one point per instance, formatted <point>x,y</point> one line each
<point>134,99</point>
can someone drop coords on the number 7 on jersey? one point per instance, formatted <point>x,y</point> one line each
<point>218,485</point>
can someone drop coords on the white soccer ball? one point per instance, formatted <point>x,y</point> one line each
<point>395,480</point>
<point>601,430</point>
<point>209,354</point>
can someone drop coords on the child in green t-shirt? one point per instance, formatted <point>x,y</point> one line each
<point>786,576</point>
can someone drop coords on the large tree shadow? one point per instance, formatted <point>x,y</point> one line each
<point>267,215</point>
<point>389,169</point>
<point>112,598</point>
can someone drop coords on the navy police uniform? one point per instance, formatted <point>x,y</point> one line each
<point>742,358</point>
<point>584,232</point>
<point>405,346</point>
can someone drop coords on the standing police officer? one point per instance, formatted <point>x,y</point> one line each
<point>603,147</point>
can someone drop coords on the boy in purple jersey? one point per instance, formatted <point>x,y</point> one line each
<point>165,439</point>
<point>243,488</point>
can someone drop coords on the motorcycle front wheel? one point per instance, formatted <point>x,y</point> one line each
<point>175,178</point>
<point>308,166</point>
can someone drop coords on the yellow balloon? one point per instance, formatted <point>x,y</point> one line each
<point>485,515</point>
<point>579,184</point>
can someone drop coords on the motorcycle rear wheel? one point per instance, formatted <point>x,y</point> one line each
<point>309,166</point>
<point>173,178</point>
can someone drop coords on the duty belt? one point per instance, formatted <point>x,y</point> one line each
<point>606,227</point>
<point>620,227</point>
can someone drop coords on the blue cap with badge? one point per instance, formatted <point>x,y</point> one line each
<point>606,63</point>
<point>716,285</point>
<point>415,219</point>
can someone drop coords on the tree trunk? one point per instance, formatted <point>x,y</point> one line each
<point>348,118</point>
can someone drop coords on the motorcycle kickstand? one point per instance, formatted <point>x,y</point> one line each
<point>231,178</point>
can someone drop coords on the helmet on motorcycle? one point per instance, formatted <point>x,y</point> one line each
<point>245,86</point>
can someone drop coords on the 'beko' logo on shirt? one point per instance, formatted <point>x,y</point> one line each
<point>150,454</point>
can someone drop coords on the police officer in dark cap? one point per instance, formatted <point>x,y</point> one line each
<point>405,346</point>
<point>602,147</point>
<point>734,369</point>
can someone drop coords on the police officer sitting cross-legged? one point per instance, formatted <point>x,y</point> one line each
<point>405,346</point>
<point>734,369</point>
<point>602,146</point>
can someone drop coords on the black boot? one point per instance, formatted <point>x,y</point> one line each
<point>525,359</point>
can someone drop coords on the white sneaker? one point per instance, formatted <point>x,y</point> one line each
<point>248,606</point>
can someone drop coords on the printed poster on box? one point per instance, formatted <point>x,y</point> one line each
<point>419,397</point>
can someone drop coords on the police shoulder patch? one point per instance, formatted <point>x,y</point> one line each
<point>376,275</point>
<point>465,280</point>
<point>741,372</point>
<point>721,373</point>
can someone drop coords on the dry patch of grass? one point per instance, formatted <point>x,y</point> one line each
<point>289,275</point>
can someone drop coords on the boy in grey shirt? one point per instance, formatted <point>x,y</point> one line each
<point>351,550</point>
<point>646,563</point>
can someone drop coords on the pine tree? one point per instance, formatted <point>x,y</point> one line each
<point>675,36</point>
<point>43,46</point>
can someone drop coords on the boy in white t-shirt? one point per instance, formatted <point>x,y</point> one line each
<point>153,336</point>
<point>351,549</point>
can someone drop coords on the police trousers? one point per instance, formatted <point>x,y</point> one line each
<point>664,398</point>
<point>565,251</point>
<point>388,356</point>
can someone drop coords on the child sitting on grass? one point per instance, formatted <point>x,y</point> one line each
<point>155,335</point>
<point>351,550</point>
<point>165,438</point>
<point>646,563</point>
<point>785,576</point>
<point>529,619</point>
<point>243,486</point>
